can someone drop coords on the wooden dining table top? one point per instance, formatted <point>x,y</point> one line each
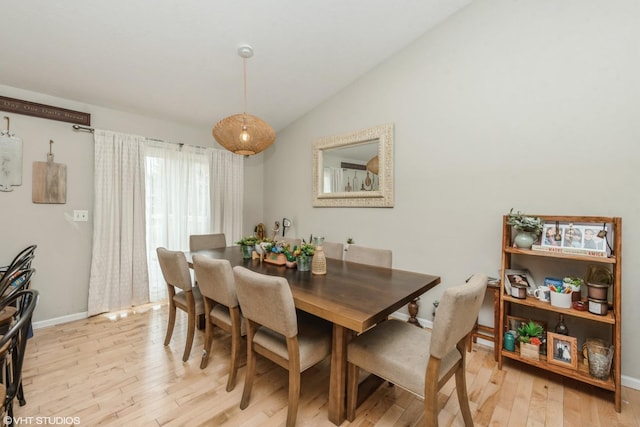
<point>355,296</point>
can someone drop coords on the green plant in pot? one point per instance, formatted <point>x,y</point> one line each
<point>530,333</point>
<point>247,245</point>
<point>528,227</point>
<point>303,256</point>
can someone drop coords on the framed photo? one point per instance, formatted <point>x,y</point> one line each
<point>562,350</point>
<point>513,323</point>
<point>512,276</point>
<point>574,238</point>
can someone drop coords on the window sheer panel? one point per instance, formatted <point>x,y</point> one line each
<point>227,192</point>
<point>178,203</point>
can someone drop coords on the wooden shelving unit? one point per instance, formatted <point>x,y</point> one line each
<point>612,319</point>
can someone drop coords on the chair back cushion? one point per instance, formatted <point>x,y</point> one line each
<point>266,300</point>
<point>457,314</point>
<point>333,250</point>
<point>215,279</point>
<point>199,242</point>
<point>369,256</point>
<point>175,268</point>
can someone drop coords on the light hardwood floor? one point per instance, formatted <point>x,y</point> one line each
<point>114,370</point>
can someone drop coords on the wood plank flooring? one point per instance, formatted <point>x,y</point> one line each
<point>114,370</point>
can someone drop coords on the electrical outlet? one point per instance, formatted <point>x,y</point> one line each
<point>80,216</point>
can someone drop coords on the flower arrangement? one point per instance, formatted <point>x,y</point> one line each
<point>525,223</point>
<point>248,241</point>
<point>275,247</point>
<point>306,249</point>
<point>573,283</point>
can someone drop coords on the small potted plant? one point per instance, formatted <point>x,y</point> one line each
<point>529,336</point>
<point>574,283</point>
<point>275,252</point>
<point>529,228</point>
<point>247,245</point>
<point>303,256</point>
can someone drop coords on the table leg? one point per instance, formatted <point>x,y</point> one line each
<point>338,379</point>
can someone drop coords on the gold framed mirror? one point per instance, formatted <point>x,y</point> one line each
<point>354,169</point>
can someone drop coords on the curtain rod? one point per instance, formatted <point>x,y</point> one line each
<point>181,144</point>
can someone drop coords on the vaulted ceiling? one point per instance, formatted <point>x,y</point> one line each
<point>177,59</point>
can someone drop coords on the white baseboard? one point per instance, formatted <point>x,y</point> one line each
<point>630,382</point>
<point>59,320</point>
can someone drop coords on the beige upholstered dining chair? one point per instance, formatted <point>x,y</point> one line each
<point>274,332</point>
<point>199,242</point>
<point>416,359</point>
<point>369,256</point>
<point>218,289</point>
<point>175,270</point>
<point>333,250</point>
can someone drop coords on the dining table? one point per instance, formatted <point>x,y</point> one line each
<point>353,297</point>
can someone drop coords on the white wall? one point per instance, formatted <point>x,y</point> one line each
<point>526,104</point>
<point>63,256</point>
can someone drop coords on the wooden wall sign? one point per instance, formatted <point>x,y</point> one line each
<point>49,181</point>
<point>44,111</point>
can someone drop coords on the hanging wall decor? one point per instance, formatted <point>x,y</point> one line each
<point>49,180</point>
<point>44,111</point>
<point>10,159</point>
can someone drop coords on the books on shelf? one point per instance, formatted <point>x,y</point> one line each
<point>522,276</point>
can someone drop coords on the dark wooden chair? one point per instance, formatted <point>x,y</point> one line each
<point>13,346</point>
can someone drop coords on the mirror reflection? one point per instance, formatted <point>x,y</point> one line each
<point>354,169</point>
<point>351,168</point>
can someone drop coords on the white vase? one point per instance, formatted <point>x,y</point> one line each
<point>523,240</point>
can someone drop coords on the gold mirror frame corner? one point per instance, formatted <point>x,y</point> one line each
<point>382,198</point>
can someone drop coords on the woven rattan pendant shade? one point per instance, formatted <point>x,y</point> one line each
<point>244,134</point>
<point>227,132</point>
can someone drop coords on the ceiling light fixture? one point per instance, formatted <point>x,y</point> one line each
<point>244,134</point>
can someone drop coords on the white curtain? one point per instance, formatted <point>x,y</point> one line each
<point>226,182</point>
<point>119,275</point>
<point>190,190</point>
<point>333,180</point>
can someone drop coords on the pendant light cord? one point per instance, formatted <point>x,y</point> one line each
<point>244,68</point>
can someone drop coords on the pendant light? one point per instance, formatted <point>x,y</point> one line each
<point>244,134</point>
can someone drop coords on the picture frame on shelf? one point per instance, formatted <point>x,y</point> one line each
<point>579,239</point>
<point>562,350</point>
<point>521,276</point>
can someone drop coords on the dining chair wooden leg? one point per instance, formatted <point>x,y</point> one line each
<point>294,380</point>
<point>353,371</point>
<point>431,387</point>
<point>172,322</point>
<point>208,343</point>
<point>191,330</point>
<point>208,335</point>
<point>251,366</point>
<point>461,387</point>
<point>236,342</point>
